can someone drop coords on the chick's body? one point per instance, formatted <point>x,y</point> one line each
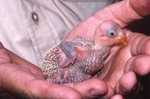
<point>78,70</point>
<point>80,59</point>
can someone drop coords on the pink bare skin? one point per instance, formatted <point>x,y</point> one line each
<point>131,60</point>
<point>27,80</point>
<point>17,76</point>
<point>134,59</point>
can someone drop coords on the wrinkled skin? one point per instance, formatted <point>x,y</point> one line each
<point>121,76</point>
<point>77,70</point>
<point>78,58</point>
<point>26,81</point>
<point>135,58</point>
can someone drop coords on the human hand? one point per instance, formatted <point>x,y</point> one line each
<point>130,60</point>
<point>133,59</point>
<point>25,80</point>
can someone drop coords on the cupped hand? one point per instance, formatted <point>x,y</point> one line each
<point>132,60</point>
<point>19,76</point>
<point>25,80</point>
<point>129,62</point>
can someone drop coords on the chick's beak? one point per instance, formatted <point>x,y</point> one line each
<point>122,40</point>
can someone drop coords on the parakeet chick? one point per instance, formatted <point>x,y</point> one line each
<point>82,57</point>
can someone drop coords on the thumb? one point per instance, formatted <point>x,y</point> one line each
<point>125,11</point>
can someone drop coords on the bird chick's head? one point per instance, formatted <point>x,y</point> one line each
<point>110,34</point>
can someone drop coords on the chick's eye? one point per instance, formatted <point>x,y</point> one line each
<point>112,33</point>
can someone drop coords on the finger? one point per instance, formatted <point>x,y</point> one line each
<point>127,83</point>
<point>44,90</point>
<point>141,65</point>
<point>7,56</point>
<point>140,48</point>
<point>125,11</point>
<point>139,43</point>
<point>15,59</point>
<point>91,88</point>
<point>117,97</point>
<point>19,81</point>
<point>142,7</point>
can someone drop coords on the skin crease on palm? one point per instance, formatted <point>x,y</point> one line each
<point>134,58</point>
